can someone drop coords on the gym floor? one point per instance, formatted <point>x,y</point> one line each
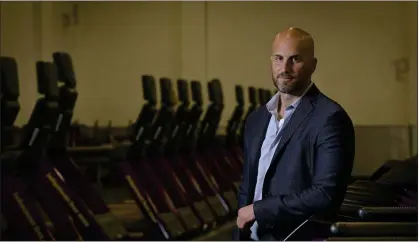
<point>120,195</point>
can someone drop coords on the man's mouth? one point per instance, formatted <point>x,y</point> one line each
<point>286,77</point>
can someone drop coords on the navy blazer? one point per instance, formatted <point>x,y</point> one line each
<point>309,171</point>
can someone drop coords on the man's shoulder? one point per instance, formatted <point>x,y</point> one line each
<point>329,105</point>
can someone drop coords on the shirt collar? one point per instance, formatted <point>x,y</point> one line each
<point>272,105</point>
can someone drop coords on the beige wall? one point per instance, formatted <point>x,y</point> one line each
<point>115,43</point>
<point>412,12</point>
<point>113,50</point>
<point>18,40</point>
<point>30,31</point>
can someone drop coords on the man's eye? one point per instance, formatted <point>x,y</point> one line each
<point>296,59</point>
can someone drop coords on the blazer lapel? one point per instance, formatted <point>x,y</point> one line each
<point>299,115</point>
<point>260,128</point>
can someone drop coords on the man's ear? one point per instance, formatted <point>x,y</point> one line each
<point>314,64</point>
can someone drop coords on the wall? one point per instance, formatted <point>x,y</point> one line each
<point>412,26</point>
<point>30,31</point>
<point>114,50</point>
<point>17,40</point>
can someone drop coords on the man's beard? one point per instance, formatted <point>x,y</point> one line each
<point>292,87</point>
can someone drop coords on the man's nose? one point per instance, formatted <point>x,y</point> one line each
<point>287,66</point>
<point>284,66</point>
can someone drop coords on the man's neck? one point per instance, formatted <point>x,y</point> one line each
<point>288,99</point>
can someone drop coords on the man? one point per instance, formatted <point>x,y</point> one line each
<point>298,149</point>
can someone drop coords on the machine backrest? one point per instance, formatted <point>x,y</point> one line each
<point>47,77</point>
<point>220,103</point>
<point>10,106</point>
<point>211,92</point>
<point>183,94</point>
<point>182,90</point>
<point>166,92</point>
<point>196,90</point>
<point>194,116</point>
<point>67,98</point>
<point>210,122</point>
<point>149,89</point>
<point>163,125</point>
<point>218,91</point>
<point>66,76</point>
<point>9,91</point>
<point>9,77</point>
<point>180,122</point>
<point>239,95</point>
<point>65,68</point>
<point>235,120</point>
<point>148,112</point>
<point>203,129</point>
<point>43,120</point>
<point>252,107</point>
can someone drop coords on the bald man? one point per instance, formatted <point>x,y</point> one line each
<point>298,149</point>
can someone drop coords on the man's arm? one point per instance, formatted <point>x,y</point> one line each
<point>244,184</point>
<point>333,166</point>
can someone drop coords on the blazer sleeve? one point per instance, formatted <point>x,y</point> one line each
<point>333,164</point>
<point>244,185</point>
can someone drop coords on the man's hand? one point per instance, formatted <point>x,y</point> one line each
<point>245,216</point>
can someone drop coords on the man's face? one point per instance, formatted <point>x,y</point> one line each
<point>292,65</point>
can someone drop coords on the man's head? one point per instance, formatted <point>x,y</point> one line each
<point>293,60</point>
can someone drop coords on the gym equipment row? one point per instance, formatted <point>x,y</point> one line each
<point>171,166</point>
<point>83,135</point>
